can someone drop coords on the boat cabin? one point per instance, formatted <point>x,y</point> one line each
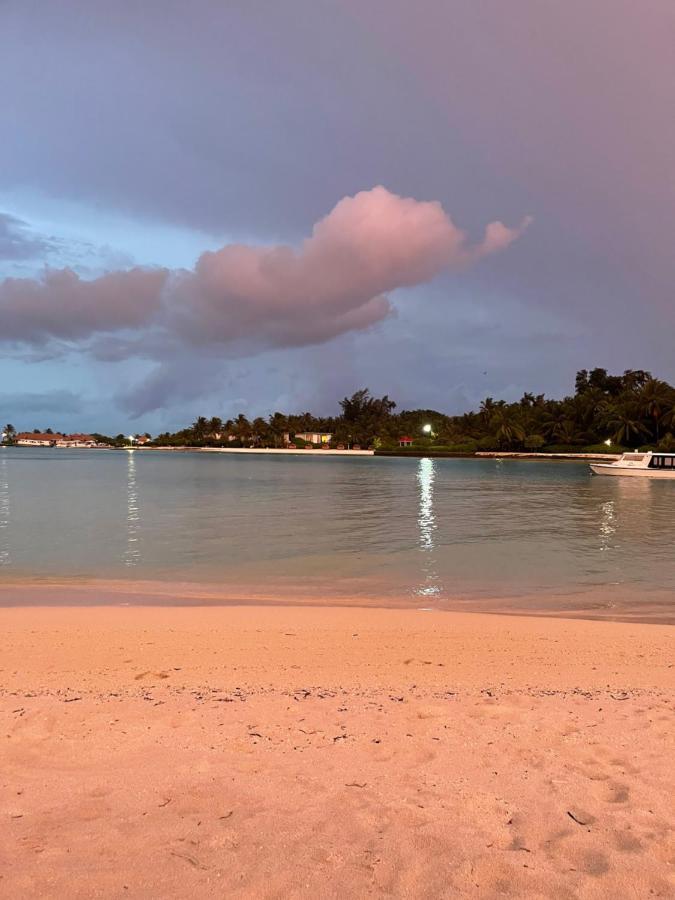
<point>662,461</point>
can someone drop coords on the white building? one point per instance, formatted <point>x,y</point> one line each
<point>29,439</point>
<point>310,437</point>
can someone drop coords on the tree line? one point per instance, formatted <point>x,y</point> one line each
<point>629,410</point>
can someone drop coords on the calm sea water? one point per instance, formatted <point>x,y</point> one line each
<point>428,532</point>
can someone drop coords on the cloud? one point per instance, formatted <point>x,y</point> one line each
<point>61,305</point>
<point>185,378</point>
<point>245,298</point>
<point>338,281</point>
<point>255,297</point>
<point>17,243</point>
<point>59,401</point>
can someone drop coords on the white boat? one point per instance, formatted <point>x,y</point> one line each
<point>639,465</point>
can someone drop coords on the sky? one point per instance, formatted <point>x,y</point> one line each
<point>208,208</point>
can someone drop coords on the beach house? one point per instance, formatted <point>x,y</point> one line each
<point>75,440</point>
<point>310,437</point>
<point>37,439</point>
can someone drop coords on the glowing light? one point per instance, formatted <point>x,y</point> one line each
<point>608,442</point>
<point>426,429</point>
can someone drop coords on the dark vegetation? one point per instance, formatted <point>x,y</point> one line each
<point>629,410</point>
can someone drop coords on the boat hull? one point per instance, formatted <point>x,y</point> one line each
<point>631,472</point>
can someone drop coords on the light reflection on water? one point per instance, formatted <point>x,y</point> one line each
<point>403,528</point>
<point>607,524</point>
<point>430,584</point>
<point>132,553</point>
<point>5,558</point>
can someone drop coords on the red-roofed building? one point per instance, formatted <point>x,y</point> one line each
<point>405,441</point>
<point>36,439</point>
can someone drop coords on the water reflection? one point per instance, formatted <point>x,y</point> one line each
<point>5,558</point>
<point>426,520</point>
<point>607,524</point>
<point>132,554</point>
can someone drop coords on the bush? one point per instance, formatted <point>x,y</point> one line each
<point>534,442</point>
<point>667,443</point>
<point>562,448</point>
<point>466,447</point>
<point>603,448</point>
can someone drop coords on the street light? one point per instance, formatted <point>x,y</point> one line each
<point>426,428</point>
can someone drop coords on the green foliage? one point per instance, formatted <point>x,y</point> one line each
<point>603,448</point>
<point>534,442</point>
<point>667,443</point>
<point>630,409</point>
<point>120,440</point>
<point>468,447</point>
<point>562,448</point>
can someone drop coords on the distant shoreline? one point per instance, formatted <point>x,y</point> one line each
<point>401,454</point>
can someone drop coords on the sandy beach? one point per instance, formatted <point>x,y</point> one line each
<point>322,752</point>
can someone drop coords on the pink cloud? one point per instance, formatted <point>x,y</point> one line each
<point>64,306</point>
<point>338,280</point>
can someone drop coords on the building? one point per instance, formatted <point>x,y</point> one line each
<point>33,439</point>
<point>405,441</point>
<point>75,440</point>
<point>311,437</point>
<point>37,439</point>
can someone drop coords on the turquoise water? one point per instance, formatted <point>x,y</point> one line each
<point>420,531</point>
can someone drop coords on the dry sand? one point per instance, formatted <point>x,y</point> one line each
<point>306,752</point>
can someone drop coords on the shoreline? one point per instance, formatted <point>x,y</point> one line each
<point>381,454</point>
<point>583,605</point>
<point>384,752</point>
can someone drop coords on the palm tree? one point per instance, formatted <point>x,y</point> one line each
<point>554,421</point>
<point>260,430</point>
<point>215,427</point>
<point>200,428</point>
<point>242,427</point>
<point>566,432</point>
<point>507,427</point>
<point>655,399</point>
<point>488,407</point>
<point>625,420</point>
<point>9,434</point>
<point>278,425</point>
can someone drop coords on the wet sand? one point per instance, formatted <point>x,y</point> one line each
<point>323,752</point>
<point>608,602</point>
